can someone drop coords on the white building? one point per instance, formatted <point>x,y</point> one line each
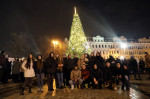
<point>119,46</point>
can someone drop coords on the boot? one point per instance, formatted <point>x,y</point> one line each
<point>30,90</point>
<point>22,91</point>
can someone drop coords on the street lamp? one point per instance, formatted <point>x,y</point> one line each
<point>55,43</point>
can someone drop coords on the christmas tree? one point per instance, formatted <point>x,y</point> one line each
<point>77,41</point>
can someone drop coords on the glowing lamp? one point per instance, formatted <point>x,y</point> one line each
<point>124,45</point>
<point>55,42</point>
<point>122,57</point>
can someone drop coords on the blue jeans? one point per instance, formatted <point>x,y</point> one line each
<point>60,79</point>
<point>40,80</point>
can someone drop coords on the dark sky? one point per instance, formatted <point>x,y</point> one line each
<point>53,18</point>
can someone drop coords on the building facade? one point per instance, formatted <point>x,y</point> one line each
<point>120,47</point>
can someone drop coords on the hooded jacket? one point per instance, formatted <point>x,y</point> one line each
<point>50,65</point>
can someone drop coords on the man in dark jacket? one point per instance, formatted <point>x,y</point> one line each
<point>50,66</point>
<point>75,59</point>
<point>92,61</point>
<point>68,67</point>
<point>107,74</point>
<point>16,70</point>
<point>142,65</point>
<point>125,78</point>
<point>99,61</point>
<point>85,76</point>
<point>118,73</point>
<point>134,67</point>
<point>6,71</point>
<point>96,77</point>
<point>2,63</point>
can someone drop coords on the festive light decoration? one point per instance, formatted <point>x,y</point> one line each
<point>77,41</point>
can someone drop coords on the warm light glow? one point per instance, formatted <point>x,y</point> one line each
<point>55,42</point>
<point>124,45</point>
<point>122,57</point>
<point>75,10</point>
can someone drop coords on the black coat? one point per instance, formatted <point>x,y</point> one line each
<point>37,70</point>
<point>107,74</point>
<point>142,64</point>
<point>133,64</point>
<point>100,62</point>
<point>50,65</point>
<point>118,71</point>
<point>96,74</point>
<point>69,64</point>
<point>75,61</point>
<point>2,59</point>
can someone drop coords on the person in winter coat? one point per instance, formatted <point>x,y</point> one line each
<point>29,73</point>
<point>92,61</point>
<point>87,61</point>
<point>6,71</point>
<point>75,59</point>
<point>21,78</point>
<point>96,77</point>
<point>75,77</point>
<point>80,62</point>
<point>142,65</point>
<point>85,76</point>
<point>118,73</point>
<point>50,67</point>
<point>69,66</point>
<point>16,70</point>
<point>59,73</point>
<point>125,78</point>
<point>134,67</point>
<point>147,61</point>
<point>111,60</point>
<point>2,64</point>
<point>64,69</point>
<point>107,75</point>
<point>39,68</point>
<point>99,61</point>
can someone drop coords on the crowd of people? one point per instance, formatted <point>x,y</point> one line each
<point>84,72</point>
<point>10,69</point>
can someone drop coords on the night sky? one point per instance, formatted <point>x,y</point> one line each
<point>53,18</point>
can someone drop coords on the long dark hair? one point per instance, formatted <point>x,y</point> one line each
<point>38,57</point>
<point>39,61</point>
<point>29,61</point>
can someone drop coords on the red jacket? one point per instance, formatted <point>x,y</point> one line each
<point>85,74</point>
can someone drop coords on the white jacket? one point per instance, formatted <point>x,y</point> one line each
<point>28,72</point>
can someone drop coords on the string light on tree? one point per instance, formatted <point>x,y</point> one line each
<point>77,41</point>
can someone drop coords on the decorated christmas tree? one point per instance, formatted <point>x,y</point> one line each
<point>77,41</point>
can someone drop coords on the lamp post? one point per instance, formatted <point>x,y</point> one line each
<point>55,43</point>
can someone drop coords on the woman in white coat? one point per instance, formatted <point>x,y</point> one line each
<point>29,73</point>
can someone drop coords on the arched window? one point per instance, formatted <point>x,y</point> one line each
<point>92,46</point>
<point>99,46</point>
